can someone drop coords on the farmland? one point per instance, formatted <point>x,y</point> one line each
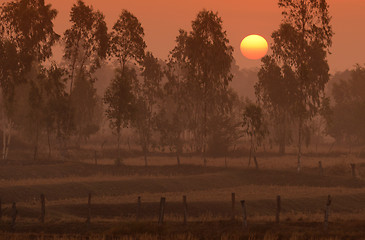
<point>115,190</point>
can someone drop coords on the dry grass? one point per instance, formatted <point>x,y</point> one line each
<point>115,191</point>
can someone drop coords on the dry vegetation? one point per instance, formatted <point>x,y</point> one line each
<point>115,190</point>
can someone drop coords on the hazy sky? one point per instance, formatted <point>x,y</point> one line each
<point>161,20</point>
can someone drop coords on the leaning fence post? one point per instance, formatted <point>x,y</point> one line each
<point>162,211</point>
<point>138,208</point>
<point>233,205</point>
<point>327,212</point>
<point>185,210</point>
<point>278,208</point>
<point>320,168</point>
<point>14,213</point>
<point>88,220</point>
<point>43,207</point>
<point>244,215</point>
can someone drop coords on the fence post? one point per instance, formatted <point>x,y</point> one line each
<point>138,208</point>
<point>320,168</point>
<point>88,220</point>
<point>278,208</point>
<point>185,210</point>
<point>244,215</point>
<point>14,213</point>
<point>162,210</point>
<point>233,206</point>
<point>327,212</point>
<point>43,207</point>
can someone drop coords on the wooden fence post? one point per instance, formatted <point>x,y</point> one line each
<point>320,168</point>
<point>43,207</point>
<point>327,212</point>
<point>88,220</point>
<point>244,215</point>
<point>14,213</point>
<point>233,206</point>
<point>278,208</point>
<point>138,208</point>
<point>162,210</point>
<point>353,169</point>
<point>185,210</point>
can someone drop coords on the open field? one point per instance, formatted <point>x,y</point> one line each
<point>115,190</point>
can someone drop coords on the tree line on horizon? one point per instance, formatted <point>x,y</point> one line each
<point>183,104</point>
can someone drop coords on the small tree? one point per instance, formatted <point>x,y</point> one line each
<point>120,101</point>
<point>254,127</point>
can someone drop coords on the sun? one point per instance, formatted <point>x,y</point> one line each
<point>254,47</point>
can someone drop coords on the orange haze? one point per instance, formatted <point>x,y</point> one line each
<point>161,20</point>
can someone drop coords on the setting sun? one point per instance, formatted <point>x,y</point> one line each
<point>254,47</point>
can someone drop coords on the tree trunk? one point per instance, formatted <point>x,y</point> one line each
<point>300,129</point>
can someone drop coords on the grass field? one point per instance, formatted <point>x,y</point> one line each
<point>115,190</point>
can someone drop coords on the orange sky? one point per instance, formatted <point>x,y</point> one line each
<point>161,20</point>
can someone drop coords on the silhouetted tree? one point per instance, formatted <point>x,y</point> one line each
<point>207,57</point>
<point>147,95</point>
<point>301,43</point>
<point>126,46</point>
<point>255,127</point>
<point>120,101</point>
<point>86,45</point>
<point>86,41</point>
<point>27,36</point>
<point>346,123</point>
<point>276,91</point>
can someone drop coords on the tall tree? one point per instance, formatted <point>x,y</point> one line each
<point>86,45</point>
<point>207,55</point>
<point>86,42</point>
<point>27,36</point>
<point>126,47</point>
<point>301,43</point>
<point>148,94</point>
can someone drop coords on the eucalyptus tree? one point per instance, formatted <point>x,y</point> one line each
<point>126,47</point>
<point>148,96</point>
<point>86,41</point>
<point>300,47</point>
<point>26,39</point>
<point>86,46</point>
<point>207,55</point>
